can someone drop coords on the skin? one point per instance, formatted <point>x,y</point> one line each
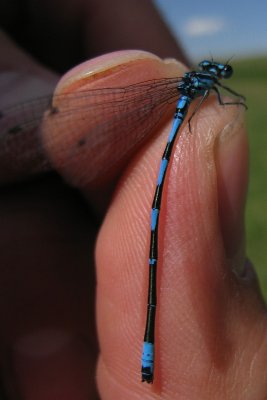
<point>211,320</point>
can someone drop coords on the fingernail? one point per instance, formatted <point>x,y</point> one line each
<point>51,362</point>
<point>232,178</point>
<point>126,67</point>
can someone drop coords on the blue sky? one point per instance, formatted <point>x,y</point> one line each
<point>223,28</point>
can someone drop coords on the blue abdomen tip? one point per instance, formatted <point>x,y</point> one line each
<point>148,362</point>
<point>148,350</point>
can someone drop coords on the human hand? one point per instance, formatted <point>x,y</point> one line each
<point>214,344</point>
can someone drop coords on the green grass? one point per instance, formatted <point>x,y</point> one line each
<point>251,80</point>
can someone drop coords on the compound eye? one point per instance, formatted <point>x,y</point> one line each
<point>227,71</point>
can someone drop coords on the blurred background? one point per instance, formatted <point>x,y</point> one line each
<point>235,29</point>
<point>224,28</point>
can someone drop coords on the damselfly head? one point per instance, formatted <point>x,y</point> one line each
<point>222,71</point>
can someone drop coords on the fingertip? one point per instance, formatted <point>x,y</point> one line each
<point>118,69</point>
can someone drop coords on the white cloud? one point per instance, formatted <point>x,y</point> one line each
<point>200,26</point>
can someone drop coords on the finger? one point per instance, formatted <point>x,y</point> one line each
<point>21,79</point>
<point>23,82</point>
<point>207,310</point>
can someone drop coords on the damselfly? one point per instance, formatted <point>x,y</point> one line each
<point>193,84</point>
<point>111,115</point>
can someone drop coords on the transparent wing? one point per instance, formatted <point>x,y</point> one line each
<point>98,125</point>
